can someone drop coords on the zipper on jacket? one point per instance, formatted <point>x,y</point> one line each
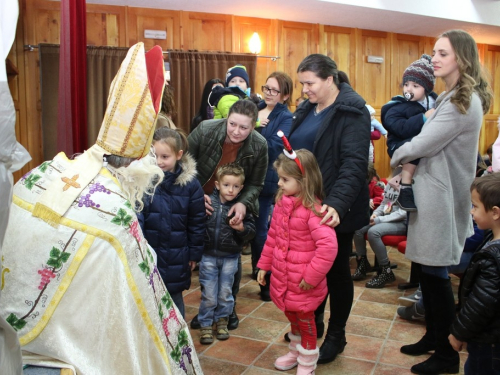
<point>217,227</point>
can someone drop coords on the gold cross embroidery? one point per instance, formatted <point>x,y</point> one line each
<point>70,182</point>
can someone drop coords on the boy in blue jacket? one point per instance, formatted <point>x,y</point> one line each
<point>223,244</point>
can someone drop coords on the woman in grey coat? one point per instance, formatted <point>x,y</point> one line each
<point>447,147</point>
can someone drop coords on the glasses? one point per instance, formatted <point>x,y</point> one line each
<point>270,91</point>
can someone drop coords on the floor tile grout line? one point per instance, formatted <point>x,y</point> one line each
<point>384,343</point>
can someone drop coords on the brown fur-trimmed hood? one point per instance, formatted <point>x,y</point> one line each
<point>188,173</point>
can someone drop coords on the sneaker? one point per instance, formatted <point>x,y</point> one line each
<point>383,277</point>
<point>206,336</point>
<point>411,299</point>
<point>413,312</point>
<point>406,200</point>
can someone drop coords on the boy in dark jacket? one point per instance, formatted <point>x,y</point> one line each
<point>404,117</point>
<point>223,244</point>
<point>478,322</point>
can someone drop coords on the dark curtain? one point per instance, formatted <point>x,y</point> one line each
<point>189,71</point>
<point>72,115</point>
<point>102,65</point>
<point>49,87</point>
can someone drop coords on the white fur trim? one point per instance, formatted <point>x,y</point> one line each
<point>312,356</point>
<point>291,155</point>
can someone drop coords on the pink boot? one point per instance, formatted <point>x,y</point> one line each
<point>307,360</point>
<point>289,360</point>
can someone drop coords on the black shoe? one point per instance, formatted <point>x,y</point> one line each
<point>422,347</point>
<point>265,295</point>
<point>437,364</point>
<point>332,346</point>
<point>362,268</point>
<point>234,321</point>
<point>195,324</point>
<point>406,200</point>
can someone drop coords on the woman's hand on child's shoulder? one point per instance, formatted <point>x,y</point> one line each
<point>331,213</point>
<point>208,205</point>
<point>305,286</point>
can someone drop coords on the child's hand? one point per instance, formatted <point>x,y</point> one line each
<point>429,112</point>
<point>261,279</point>
<point>372,205</point>
<point>239,210</point>
<point>457,344</point>
<point>192,265</point>
<point>239,227</point>
<point>304,285</point>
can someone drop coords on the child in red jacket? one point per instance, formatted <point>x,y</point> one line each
<point>299,252</point>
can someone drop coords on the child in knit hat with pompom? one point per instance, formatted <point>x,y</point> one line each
<point>237,87</point>
<point>404,116</point>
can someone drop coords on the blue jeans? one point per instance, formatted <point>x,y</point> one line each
<point>483,359</point>
<point>179,302</point>
<point>216,279</point>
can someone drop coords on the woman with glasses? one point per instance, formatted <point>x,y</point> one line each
<point>274,115</point>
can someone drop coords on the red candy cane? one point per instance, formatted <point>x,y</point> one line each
<point>289,152</point>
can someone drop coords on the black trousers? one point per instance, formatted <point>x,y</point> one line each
<point>340,286</point>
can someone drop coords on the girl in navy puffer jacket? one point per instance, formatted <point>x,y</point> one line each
<point>173,220</point>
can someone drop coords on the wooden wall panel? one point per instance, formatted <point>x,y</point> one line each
<point>489,133</point>
<point>206,31</point>
<point>140,19</point>
<point>406,49</point>
<point>106,25</point>
<point>373,83</point>
<point>297,40</point>
<point>339,43</point>
<point>492,65</point>
<point>292,41</point>
<point>243,29</point>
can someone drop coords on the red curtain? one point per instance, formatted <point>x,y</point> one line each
<point>72,115</point>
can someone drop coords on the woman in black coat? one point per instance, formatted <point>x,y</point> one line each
<point>335,125</point>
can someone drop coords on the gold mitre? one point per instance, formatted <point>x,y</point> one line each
<point>127,130</point>
<point>133,104</point>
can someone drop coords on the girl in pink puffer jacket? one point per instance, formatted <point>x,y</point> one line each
<point>299,252</point>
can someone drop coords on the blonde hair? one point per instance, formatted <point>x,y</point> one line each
<point>472,76</point>
<point>311,183</point>
<point>230,169</point>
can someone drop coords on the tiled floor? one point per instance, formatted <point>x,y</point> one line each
<point>374,331</point>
